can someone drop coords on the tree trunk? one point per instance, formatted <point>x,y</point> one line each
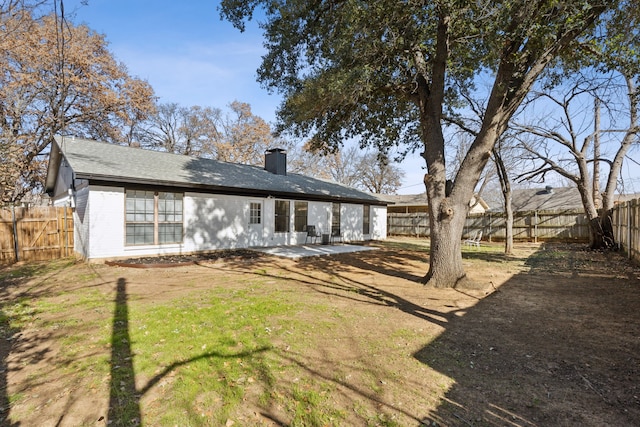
<point>597,227</point>
<point>445,256</point>
<point>601,228</point>
<point>508,224</point>
<point>597,197</point>
<point>605,225</point>
<point>447,206</point>
<point>505,186</point>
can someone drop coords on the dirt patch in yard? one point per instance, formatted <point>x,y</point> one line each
<point>167,261</point>
<point>549,336</point>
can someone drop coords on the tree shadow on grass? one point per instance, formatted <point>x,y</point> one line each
<point>551,347</point>
<point>15,307</point>
<point>124,396</point>
<point>341,284</point>
<point>557,345</point>
<point>124,400</point>
<point>5,350</point>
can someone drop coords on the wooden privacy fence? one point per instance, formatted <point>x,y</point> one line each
<point>566,225</point>
<point>626,227</point>
<point>533,226</point>
<point>35,234</point>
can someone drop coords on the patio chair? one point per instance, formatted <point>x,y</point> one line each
<point>475,240</point>
<point>312,234</point>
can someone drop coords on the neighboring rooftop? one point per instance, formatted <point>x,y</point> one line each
<point>412,203</point>
<point>620,198</point>
<point>407,199</point>
<point>548,198</point>
<point>110,163</point>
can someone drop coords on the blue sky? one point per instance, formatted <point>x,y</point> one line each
<point>182,49</point>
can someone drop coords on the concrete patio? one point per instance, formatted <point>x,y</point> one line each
<point>302,251</point>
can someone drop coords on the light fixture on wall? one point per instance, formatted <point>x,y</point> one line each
<point>72,198</point>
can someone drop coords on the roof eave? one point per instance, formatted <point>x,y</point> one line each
<point>98,179</point>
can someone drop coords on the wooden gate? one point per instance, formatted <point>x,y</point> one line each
<point>35,234</point>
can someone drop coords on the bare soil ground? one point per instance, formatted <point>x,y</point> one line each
<point>547,337</point>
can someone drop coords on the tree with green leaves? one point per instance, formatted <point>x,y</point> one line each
<point>391,73</point>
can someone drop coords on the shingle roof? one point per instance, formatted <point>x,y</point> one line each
<point>420,199</point>
<point>407,199</point>
<point>546,199</point>
<point>620,198</point>
<point>103,162</point>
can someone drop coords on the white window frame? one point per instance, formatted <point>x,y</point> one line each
<point>149,212</point>
<point>255,213</point>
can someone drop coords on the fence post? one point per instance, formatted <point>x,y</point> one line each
<point>16,247</point>
<point>66,234</point>
<point>616,223</point>
<point>630,251</point>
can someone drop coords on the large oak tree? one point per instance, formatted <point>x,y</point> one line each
<point>388,72</point>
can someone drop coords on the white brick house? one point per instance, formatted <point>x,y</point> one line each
<point>133,202</point>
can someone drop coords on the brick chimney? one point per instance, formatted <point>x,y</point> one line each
<point>275,161</point>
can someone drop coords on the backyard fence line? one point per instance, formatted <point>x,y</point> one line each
<point>565,225</point>
<point>559,225</point>
<point>625,218</point>
<point>35,233</point>
<point>44,233</point>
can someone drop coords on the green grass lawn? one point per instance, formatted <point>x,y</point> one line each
<point>242,346</point>
<point>203,355</point>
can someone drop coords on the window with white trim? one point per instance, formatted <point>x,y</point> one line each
<point>335,219</point>
<point>153,217</point>
<point>366,219</point>
<point>282,215</point>
<point>301,210</point>
<point>255,213</point>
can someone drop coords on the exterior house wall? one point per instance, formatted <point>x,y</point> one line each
<point>63,196</point>
<point>218,222</point>
<point>378,222</point>
<point>106,221</point>
<point>351,222</point>
<point>269,209</point>
<point>320,216</point>
<point>210,222</point>
<point>81,216</point>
